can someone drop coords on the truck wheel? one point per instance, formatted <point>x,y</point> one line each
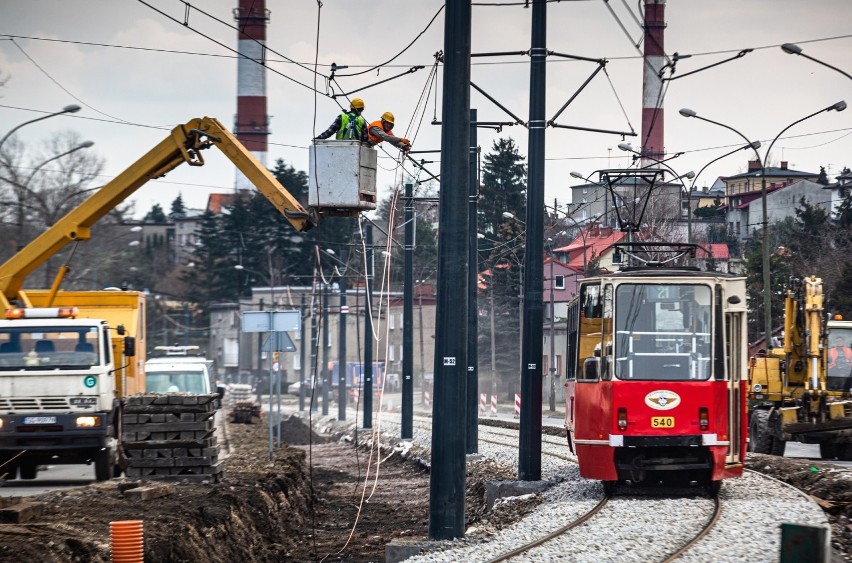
<point>104,464</point>
<point>760,440</point>
<point>29,470</point>
<point>827,450</point>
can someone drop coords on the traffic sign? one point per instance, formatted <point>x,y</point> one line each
<point>271,321</point>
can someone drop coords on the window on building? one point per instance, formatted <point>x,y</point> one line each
<point>559,282</point>
<point>738,228</point>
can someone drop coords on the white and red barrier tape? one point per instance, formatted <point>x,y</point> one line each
<point>482,402</point>
<point>493,405</point>
<point>517,405</point>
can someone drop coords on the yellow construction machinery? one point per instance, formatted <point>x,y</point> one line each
<point>800,391</point>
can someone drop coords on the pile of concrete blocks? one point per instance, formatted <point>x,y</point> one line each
<point>245,413</point>
<point>171,437</point>
<point>239,393</point>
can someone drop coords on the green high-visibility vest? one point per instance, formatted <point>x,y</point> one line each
<point>351,126</point>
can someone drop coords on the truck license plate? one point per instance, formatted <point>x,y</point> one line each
<point>662,422</point>
<point>39,420</point>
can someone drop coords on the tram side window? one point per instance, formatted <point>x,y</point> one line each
<point>591,327</point>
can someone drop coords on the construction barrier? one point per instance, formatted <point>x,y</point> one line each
<point>517,405</point>
<point>426,399</point>
<point>126,541</point>
<point>482,401</point>
<point>493,405</point>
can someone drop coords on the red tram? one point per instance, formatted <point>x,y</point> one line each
<point>656,389</point>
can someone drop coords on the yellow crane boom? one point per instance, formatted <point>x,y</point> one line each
<point>184,144</point>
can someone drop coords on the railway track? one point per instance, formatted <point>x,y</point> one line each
<point>494,431</point>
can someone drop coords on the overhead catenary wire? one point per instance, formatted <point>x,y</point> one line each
<point>224,46</point>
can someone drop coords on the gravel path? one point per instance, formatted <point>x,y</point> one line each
<point>634,526</point>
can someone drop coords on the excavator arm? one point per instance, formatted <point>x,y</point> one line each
<point>184,144</point>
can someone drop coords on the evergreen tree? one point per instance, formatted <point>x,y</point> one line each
<point>178,209</point>
<point>823,177</point>
<point>504,180</point>
<point>156,215</point>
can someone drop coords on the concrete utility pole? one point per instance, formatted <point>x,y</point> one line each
<point>529,439</point>
<point>367,372</point>
<point>342,368</point>
<point>472,437</point>
<point>407,427</point>
<point>447,479</point>
<point>303,348</point>
<point>326,343</point>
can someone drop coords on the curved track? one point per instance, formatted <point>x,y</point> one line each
<point>717,511</point>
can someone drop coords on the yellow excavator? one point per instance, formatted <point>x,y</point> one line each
<point>800,391</point>
<point>68,359</point>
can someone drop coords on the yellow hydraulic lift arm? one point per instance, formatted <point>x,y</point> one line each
<point>184,144</point>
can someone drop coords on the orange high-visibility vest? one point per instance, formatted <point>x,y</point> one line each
<point>373,139</point>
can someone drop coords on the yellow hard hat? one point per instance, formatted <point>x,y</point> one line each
<point>356,103</point>
<point>388,116</point>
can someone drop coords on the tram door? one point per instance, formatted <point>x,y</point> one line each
<point>734,336</point>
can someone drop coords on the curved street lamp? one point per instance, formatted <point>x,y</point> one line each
<point>67,109</point>
<point>22,188</point>
<point>767,294</point>
<point>793,49</point>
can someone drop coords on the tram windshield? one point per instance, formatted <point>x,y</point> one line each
<point>662,331</point>
<point>839,359</point>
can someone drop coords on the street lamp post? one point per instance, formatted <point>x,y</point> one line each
<point>754,145</point>
<point>793,49</point>
<point>767,295</point>
<point>73,108</point>
<point>552,322</point>
<point>22,188</point>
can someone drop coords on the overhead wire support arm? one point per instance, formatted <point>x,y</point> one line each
<point>577,57</point>
<point>594,130</point>
<point>409,71</point>
<point>677,57</point>
<point>496,125</point>
<point>517,119</point>
<point>577,93</point>
<point>500,54</point>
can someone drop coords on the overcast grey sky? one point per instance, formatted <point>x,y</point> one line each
<point>168,73</point>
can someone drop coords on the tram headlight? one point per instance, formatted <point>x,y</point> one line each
<point>703,418</point>
<point>757,387</point>
<point>622,418</point>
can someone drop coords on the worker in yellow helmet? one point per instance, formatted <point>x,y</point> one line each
<point>349,125</point>
<point>381,130</point>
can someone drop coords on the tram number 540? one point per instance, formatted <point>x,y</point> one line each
<point>662,422</point>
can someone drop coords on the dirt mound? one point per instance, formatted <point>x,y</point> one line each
<point>253,515</point>
<point>295,432</point>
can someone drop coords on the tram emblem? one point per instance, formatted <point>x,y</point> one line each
<point>662,400</point>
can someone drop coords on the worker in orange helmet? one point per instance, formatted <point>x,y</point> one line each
<point>381,130</point>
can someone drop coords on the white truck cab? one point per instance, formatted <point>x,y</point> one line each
<point>177,373</point>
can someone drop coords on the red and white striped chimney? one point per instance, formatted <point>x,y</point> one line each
<point>252,123</point>
<point>653,118</point>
